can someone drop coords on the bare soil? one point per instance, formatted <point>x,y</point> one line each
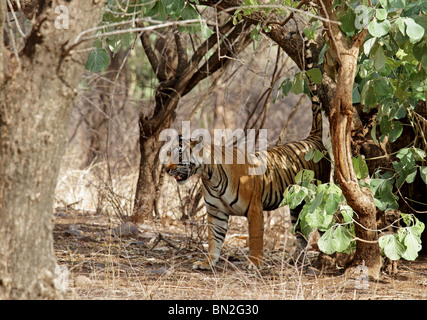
<point>155,263</point>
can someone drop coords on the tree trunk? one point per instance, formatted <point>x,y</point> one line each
<point>37,88</point>
<point>147,188</point>
<point>340,118</point>
<point>361,200</point>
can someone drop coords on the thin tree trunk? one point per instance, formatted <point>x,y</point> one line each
<point>147,188</point>
<point>37,89</point>
<point>340,118</point>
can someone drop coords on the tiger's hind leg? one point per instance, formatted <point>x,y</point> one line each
<point>256,237</point>
<point>300,255</point>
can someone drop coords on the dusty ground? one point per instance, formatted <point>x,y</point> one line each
<point>155,263</point>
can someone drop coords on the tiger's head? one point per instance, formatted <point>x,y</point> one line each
<point>182,164</point>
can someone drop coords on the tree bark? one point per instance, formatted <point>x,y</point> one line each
<point>341,118</point>
<point>37,88</point>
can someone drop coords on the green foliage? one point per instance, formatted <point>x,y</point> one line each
<point>324,208</point>
<point>384,186</point>
<point>118,18</point>
<point>392,74</point>
<point>301,82</point>
<point>360,167</point>
<point>406,243</point>
<point>97,60</point>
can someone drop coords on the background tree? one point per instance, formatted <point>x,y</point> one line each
<point>37,86</point>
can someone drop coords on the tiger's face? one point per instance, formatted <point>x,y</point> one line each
<point>181,166</point>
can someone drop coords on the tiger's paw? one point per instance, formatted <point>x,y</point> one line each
<point>251,266</point>
<point>202,265</point>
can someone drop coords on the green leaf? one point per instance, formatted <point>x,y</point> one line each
<point>384,4</point>
<point>366,69</point>
<point>332,203</point>
<point>411,174</point>
<point>347,21</point>
<point>360,167</point>
<point>128,39</point>
<point>255,33</point>
<point>396,130</point>
<point>304,175</point>
<point>189,13</point>
<point>322,53</point>
<point>286,87</point>
<point>206,32</point>
<point>381,14</point>
<point>173,8</point>
<point>298,84</point>
<point>379,58</point>
<point>379,29</point>
<point>316,202</point>
<point>114,43</point>
<point>367,46</point>
<point>368,95</point>
<point>97,60</point>
<point>423,173</point>
<point>391,246</point>
<point>412,242</point>
<point>397,4</point>
<point>382,87</point>
<point>309,155</point>
<point>310,30</point>
<point>157,11</point>
<point>341,239</point>
<point>383,194</point>
<point>346,212</point>
<point>420,52</point>
<point>97,43</point>
<point>363,16</point>
<point>318,155</point>
<point>401,25</point>
<point>315,75</point>
<point>326,242</point>
<point>317,219</point>
<point>419,154</point>
<point>413,29</point>
<point>406,157</point>
<point>295,196</point>
<point>374,134</point>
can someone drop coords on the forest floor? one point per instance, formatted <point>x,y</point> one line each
<point>154,262</point>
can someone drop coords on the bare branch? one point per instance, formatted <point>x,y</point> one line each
<point>181,51</point>
<point>145,41</point>
<point>232,45</point>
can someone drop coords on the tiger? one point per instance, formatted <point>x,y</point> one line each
<point>230,190</point>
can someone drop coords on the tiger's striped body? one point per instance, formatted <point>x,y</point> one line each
<point>229,189</point>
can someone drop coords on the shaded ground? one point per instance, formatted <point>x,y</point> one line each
<point>155,263</point>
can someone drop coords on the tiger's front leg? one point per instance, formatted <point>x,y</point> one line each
<point>217,229</point>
